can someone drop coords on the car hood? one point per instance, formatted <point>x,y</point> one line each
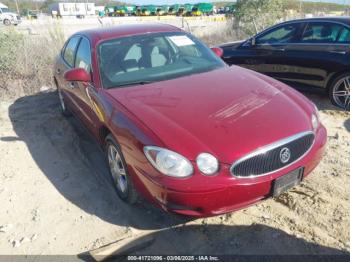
<point>10,13</point>
<point>227,112</point>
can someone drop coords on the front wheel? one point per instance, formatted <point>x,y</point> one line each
<point>118,169</point>
<point>339,91</point>
<point>7,22</point>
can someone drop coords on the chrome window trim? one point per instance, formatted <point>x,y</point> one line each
<point>270,147</point>
<point>298,43</point>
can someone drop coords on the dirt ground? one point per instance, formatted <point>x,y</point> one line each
<point>55,197</point>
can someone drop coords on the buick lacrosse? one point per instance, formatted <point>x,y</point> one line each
<point>180,127</point>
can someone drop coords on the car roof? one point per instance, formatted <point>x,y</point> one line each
<point>95,35</point>
<point>339,19</point>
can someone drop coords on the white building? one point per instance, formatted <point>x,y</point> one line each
<point>72,9</point>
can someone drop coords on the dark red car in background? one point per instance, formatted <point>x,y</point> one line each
<point>182,128</point>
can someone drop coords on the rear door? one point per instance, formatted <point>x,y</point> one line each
<point>321,51</point>
<point>266,54</point>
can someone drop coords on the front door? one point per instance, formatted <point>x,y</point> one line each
<point>273,44</point>
<point>321,50</point>
<point>66,63</point>
<point>84,90</point>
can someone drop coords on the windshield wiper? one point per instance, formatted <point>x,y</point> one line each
<point>134,83</point>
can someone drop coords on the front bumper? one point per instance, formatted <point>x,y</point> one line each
<point>16,21</point>
<point>203,196</point>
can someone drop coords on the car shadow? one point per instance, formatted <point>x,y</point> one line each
<point>74,163</point>
<point>321,100</point>
<point>256,239</point>
<point>347,124</point>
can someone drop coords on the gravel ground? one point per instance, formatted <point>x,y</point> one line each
<point>55,198</point>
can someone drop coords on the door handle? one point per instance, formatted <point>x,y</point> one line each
<point>280,49</point>
<point>338,52</point>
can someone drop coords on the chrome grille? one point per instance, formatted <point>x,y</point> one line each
<point>269,158</point>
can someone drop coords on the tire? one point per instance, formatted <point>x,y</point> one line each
<point>7,22</point>
<point>63,106</point>
<point>120,177</point>
<point>339,91</point>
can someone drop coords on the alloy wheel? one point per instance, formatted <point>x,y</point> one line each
<point>117,169</point>
<point>7,22</point>
<point>341,92</point>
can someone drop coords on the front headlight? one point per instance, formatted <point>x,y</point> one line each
<point>168,162</point>
<point>207,164</point>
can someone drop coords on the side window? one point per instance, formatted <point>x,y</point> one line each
<point>83,57</point>
<point>283,34</point>
<point>69,51</point>
<point>321,33</point>
<point>344,36</point>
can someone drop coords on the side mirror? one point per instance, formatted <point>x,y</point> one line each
<point>218,51</point>
<point>77,74</point>
<point>252,41</point>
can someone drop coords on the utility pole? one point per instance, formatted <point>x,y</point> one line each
<point>17,6</point>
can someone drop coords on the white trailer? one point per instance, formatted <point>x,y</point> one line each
<point>72,9</point>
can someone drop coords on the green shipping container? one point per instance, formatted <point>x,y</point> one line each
<point>148,10</point>
<point>203,8</point>
<point>174,9</point>
<point>188,9</point>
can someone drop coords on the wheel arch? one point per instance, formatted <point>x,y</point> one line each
<point>103,132</point>
<point>55,81</point>
<point>334,76</point>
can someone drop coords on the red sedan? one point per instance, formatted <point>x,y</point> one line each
<point>179,126</point>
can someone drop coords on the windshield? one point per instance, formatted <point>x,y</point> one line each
<point>153,57</point>
<point>5,10</point>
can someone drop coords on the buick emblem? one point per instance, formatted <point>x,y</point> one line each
<point>285,155</point>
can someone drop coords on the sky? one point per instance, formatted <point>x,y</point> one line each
<point>160,2</point>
